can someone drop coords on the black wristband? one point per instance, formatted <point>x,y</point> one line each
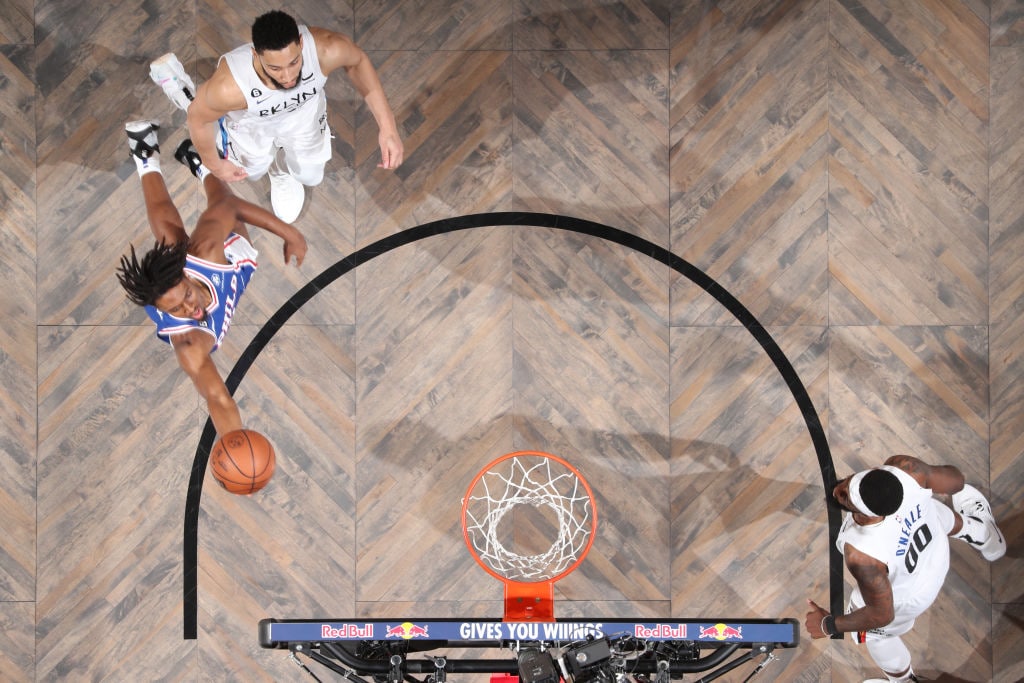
<point>828,625</point>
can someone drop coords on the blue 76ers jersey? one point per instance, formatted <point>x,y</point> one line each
<point>226,281</point>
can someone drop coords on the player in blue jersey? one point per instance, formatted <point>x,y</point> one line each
<point>190,284</point>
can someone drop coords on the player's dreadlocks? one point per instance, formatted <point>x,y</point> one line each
<point>161,268</point>
<point>274,30</point>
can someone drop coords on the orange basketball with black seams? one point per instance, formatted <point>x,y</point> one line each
<point>242,461</point>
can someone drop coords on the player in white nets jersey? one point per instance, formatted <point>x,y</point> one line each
<point>894,539</point>
<point>269,95</point>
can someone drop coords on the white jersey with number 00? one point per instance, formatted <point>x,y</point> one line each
<point>912,543</point>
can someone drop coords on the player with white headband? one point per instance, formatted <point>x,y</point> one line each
<point>894,539</point>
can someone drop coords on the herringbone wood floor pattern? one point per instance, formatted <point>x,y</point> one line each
<point>850,171</point>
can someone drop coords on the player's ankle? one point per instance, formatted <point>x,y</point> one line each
<point>973,531</point>
<point>147,165</point>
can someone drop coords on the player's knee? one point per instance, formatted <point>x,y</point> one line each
<point>890,654</point>
<point>257,172</point>
<point>309,175</point>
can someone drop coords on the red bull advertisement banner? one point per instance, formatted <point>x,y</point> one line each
<point>275,633</point>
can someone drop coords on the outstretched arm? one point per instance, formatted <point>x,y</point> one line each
<point>945,479</point>
<point>258,217</point>
<point>215,98</point>
<point>226,213</point>
<point>872,579</point>
<point>193,352</point>
<point>337,51</point>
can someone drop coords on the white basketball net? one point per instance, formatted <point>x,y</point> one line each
<point>539,482</point>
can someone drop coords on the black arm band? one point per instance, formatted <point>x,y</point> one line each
<point>828,625</point>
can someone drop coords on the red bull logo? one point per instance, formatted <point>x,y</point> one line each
<point>721,632</point>
<point>406,630</point>
<point>346,631</point>
<point>669,631</point>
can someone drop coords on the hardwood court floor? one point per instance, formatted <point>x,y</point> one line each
<point>850,172</point>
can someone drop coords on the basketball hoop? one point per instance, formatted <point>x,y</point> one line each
<point>510,508</point>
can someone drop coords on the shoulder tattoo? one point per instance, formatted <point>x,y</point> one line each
<point>910,465</point>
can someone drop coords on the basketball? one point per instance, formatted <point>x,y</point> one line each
<point>242,461</point>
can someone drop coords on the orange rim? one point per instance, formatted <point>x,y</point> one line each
<point>590,537</point>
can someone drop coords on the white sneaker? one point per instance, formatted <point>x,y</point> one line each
<point>142,138</point>
<point>286,196</point>
<point>169,74</point>
<point>970,503</point>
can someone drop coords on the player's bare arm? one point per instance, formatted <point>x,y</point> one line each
<point>214,99</point>
<point>944,479</point>
<point>258,217</point>
<point>336,51</point>
<point>224,215</point>
<point>193,349</point>
<point>872,579</point>
<point>213,227</point>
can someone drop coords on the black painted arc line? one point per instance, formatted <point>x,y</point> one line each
<point>497,219</point>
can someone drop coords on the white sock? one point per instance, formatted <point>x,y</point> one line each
<point>150,165</point>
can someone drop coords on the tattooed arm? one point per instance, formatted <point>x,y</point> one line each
<point>945,479</point>
<point>872,579</point>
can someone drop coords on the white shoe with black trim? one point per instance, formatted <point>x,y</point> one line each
<point>187,155</point>
<point>142,139</point>
<point>970,503</point>
<point>169,74</point>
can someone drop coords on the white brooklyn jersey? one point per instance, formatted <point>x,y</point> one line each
<point>912,542</point>
<point>293,110</point>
